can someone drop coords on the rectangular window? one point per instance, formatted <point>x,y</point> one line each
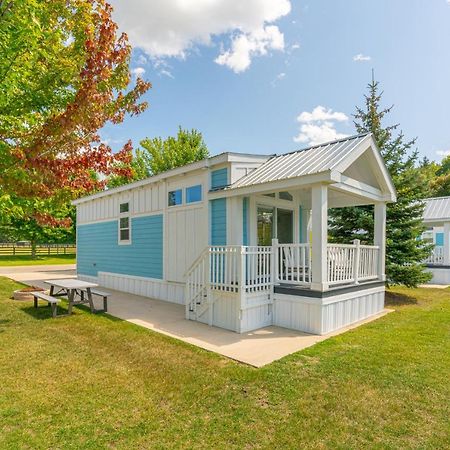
<point>285,196</point>
<point>194,194</point>
<point>175,197</point>
<point>124,229</point>
<point>124,208</point>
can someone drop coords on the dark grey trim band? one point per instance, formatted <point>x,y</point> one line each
<point>302,292</point>
<point>437,266</point>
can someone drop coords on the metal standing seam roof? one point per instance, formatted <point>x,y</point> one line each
<point>307,161</point>
<point>437,208</point>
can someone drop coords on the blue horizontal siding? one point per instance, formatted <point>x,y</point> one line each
<point>219,178</point>
<point>218,221</point>
<point>98,249</point>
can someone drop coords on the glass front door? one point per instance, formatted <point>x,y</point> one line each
<point>275,222</point>
<point>285,226</point>
<point>265,225</point>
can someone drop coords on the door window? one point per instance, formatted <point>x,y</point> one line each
<point>285,226</point>
<point>265,225</point>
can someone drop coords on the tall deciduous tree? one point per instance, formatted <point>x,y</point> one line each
<point>438,175</point>
<point>404,250</point>
<point>160,154</point>
<point>64,73</point>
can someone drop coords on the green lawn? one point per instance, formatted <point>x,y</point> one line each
<point>25,260</point>
<point>91,381</point>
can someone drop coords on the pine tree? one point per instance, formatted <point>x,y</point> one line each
<point>404,250</point>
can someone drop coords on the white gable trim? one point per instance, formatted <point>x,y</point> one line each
<point>358,152</point>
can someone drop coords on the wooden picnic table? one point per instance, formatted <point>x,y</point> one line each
<point>69,287</point>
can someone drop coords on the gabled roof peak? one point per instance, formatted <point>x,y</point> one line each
<point>325,144</point>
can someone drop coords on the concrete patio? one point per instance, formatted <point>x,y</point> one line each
<point>256,348</point>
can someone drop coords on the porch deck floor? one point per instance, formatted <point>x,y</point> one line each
<point>256,348</point>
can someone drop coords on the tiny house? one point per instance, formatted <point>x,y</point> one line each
<point>241,240</point>
<point>436,218</point>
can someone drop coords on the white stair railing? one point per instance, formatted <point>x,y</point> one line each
<point>197,283</point>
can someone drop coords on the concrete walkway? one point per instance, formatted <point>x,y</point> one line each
<point>256,348</point>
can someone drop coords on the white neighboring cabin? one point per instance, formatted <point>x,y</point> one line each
<point>241,240</point>
<point>437,219</point>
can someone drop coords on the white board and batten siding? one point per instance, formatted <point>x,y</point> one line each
<point>186,228</point>
<point>322,316</point>
<point>147,199</point>
<point>228,313</point>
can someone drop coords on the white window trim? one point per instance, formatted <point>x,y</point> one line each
<point>183,203</point>
<point>197,201</point>
<point>121,216</point>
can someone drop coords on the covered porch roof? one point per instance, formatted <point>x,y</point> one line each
<point>352,168</point>
<point>437,211</point>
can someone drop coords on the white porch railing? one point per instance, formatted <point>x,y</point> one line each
<point>437,256</point>
<point>293,263</point>
<point>351,263</point>
<point>247,269</point>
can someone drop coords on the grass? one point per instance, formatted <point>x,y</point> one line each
<point>92,381</point>
<point>26,260</point>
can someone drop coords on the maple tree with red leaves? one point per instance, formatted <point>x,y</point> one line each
<point>64,74</point>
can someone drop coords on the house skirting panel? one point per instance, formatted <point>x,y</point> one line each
<point>256,311</point>
<point>324,315</point>
<point>228,313</point>
<point>441,275</point>
<point>147,287</point>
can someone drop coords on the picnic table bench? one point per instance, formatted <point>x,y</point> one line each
<point>102,294</point>
<point>52,301</point>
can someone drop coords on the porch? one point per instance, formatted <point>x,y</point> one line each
<point>437,220</point>
<point>275,262</point>
<point>244,288</point>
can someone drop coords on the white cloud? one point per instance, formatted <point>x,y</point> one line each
<point>166,73</point>
<point>319,113</point>
<point>279,77</point>
<point>361,58</point>
<point>319,126</point>
<point>443,152</point>
<point>245,46</point>
<point>173,28</point>
<point>138,71</point>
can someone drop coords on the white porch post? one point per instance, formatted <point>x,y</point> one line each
<point>319,200</point>
<point>380,237</point>
<point>447,243</point>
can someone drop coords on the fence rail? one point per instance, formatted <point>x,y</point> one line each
<point>15,249</point>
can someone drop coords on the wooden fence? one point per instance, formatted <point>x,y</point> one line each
<point>17,249</point>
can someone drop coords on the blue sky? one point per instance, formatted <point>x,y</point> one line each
<point>270,76</point>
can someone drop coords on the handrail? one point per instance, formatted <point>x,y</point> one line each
<point>195,262</point>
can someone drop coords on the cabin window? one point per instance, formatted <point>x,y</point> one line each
<point>175,197</point>
<point>284,195</point>
<point>270,195</point>
<point>124,223</point>
<point>124,230</point>
<point>194,194</point>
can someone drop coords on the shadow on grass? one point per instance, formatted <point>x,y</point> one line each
<point>44,312</point>
<point>397,299</point>
<point>3,322</point>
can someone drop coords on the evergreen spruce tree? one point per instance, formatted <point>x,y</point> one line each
<point>404,250</point>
